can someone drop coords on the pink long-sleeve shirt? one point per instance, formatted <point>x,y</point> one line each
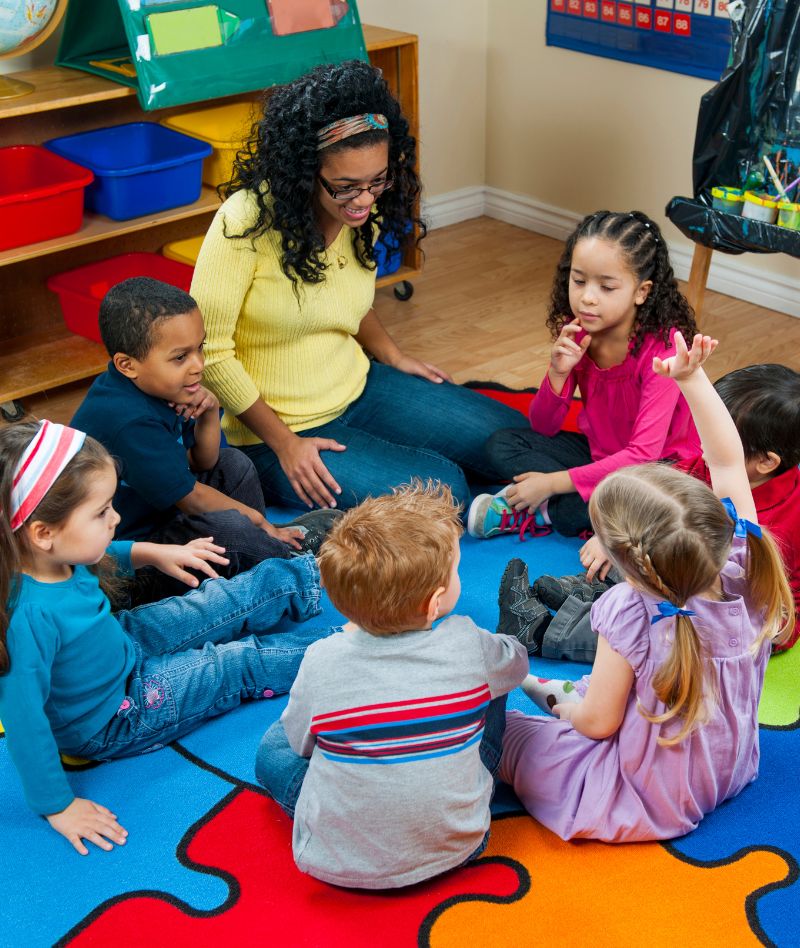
<point>630,415</point>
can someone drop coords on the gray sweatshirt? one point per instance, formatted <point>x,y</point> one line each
<point>395,791</point>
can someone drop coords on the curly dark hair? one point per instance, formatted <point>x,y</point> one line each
<point>643,248</point>
<point>280,163</point>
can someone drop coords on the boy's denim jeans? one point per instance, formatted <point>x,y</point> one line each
<point>202,654</point>
<point>400,426</point>
<point>282,772</point>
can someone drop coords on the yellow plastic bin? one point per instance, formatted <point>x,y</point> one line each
<point>224,127</point>
<point>727,199</point>
<point>185,251</point>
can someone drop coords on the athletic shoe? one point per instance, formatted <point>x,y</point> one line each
<point>315,526</point>
<point>491,514</point>
<point>521,614</point>
<point>553,591</point>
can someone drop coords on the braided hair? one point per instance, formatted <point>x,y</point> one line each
<point>643,249</point>
<point>280,162</point>
<point>670,536</point>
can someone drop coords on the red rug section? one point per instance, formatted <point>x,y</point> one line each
<point>271,902</point>
<point>521,400</point>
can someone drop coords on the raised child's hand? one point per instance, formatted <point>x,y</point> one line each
<point>174,560</point>
<point>685,361</point>
<point>566,352</point>
<point>83,819</point>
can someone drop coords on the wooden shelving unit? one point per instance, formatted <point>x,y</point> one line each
<point>37,353</point>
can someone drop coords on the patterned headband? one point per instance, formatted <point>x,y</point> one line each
<point>41,464</point>
<point>354,125</point>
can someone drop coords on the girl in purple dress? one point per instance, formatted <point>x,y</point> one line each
<point>665,728</point>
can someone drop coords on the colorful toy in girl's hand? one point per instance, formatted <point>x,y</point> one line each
<point>666,725</point>
<point>614,300</point>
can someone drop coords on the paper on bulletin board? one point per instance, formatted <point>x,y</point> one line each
<point>686,36</point>
<point>299,16</point>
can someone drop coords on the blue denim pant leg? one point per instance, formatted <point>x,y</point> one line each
<point>400,427</point>
<point>200,655</point>
<point>221,610</point>
<point>279,769</point>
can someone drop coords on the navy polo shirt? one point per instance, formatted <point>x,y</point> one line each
<point>149,442</point>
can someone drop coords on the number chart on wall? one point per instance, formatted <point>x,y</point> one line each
<point>689,36</point>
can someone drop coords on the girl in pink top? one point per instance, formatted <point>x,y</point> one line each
<point>614,300</point>
<point>665,728</point>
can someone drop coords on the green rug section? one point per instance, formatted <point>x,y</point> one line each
<point>780,700</point>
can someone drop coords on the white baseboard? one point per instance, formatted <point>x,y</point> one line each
<point>728,274</point>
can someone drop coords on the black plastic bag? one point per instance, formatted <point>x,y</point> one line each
<point>753,111</point>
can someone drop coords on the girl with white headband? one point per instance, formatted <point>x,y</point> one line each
<point>285,280</point>
<point>78,679</point>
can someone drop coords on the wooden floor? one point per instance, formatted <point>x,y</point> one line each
<point>478,311</point>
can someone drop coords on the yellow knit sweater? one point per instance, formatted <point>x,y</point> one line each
<point>299,356</point>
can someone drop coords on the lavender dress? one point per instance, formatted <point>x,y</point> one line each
<point>627,787</point>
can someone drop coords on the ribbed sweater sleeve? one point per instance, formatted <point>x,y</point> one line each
<point>222,278</point>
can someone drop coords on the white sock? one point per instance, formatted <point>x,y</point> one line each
<point>547,692</point>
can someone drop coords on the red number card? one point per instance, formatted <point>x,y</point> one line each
<point>608,11</point>
<point>682,24</point>
<point>663,22</point>
<point>625,14</point>
<point>591,8</point>
<point>644,18</point>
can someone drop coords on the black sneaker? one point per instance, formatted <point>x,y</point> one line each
<point>521,614</point>
<point>316,524</point>
<point>553,591</point>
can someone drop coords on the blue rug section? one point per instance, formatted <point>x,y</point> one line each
<point>159,796</point>
<point>766,815</point>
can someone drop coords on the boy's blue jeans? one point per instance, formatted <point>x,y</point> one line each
<point>401,426</point>
<point>202,654</point>
<point>282,772</point>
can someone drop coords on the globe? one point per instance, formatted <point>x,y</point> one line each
<point>24,24</point>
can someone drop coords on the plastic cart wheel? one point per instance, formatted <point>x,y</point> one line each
<point>404,291</point>
<point>12,411</point>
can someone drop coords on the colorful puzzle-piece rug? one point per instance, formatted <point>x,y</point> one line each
<point>208,859</point>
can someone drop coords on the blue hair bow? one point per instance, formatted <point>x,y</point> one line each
<point>740,527</point>
<point>666,610</point>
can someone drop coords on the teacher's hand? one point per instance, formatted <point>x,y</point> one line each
<point>424,370</point>
<point>310,479</point>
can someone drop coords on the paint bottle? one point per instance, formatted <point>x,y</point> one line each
<point>760,206</point>
<point>728,200</point>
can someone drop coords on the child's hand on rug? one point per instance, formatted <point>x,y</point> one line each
<point>594,559</point>
<point>83,819</point>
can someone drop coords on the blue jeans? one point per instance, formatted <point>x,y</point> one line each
<point>282,772</point>
<point>202,654</point>
<point>401,426</point>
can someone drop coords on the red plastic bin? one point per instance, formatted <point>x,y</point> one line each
<point>81,290</point>
<point>41,195</point>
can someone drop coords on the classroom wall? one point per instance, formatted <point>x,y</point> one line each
<point>452,86</point>
<point>581,132</point>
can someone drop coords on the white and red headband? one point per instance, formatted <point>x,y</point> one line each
<point>41,464</point>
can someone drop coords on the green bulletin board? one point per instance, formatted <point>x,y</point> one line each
<point>178,51</point>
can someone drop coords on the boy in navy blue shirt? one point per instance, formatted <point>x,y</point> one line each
<point>153,415</point>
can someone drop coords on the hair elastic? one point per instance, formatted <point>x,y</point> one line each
<point>353,125</point>
<point>667,609</point>
<point>741,527</point>
<point>41,464</point>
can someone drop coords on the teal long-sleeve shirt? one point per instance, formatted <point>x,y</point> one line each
<point>70,660</point>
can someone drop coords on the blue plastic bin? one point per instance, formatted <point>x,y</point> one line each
<point>139,167</point>
<point>388,255</point>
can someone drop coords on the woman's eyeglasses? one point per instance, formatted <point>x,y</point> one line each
<point>347,194</point>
